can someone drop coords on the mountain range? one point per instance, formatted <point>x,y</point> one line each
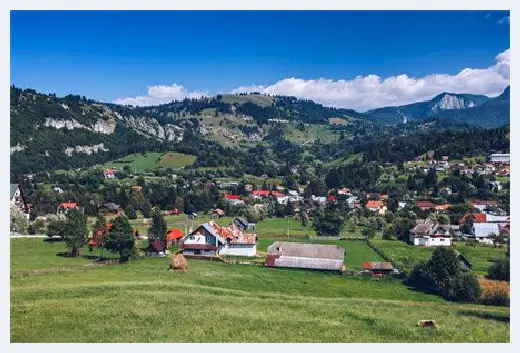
<point>49,132</point>
<point>464,108</point>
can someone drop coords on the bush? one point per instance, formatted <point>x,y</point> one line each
<point>368,232</point>
<point>499,270</point>
<point>130,212</point>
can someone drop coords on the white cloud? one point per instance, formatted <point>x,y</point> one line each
<point>362,92</point>
<point>160,95</point>
<point>369,92</point>
<point>503,20</point>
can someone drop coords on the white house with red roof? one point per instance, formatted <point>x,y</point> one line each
<point>64,207</point>
<point>109,173</point>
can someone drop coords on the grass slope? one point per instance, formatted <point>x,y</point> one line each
<point>147,161</point>
<point>217,302</point>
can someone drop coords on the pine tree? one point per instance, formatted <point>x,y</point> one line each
<point>158,228</point>
<point>120,238</point>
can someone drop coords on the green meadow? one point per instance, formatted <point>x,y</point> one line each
<point>218,302</point>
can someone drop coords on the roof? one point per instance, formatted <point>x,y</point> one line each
<point>477,218</point>
<point>331,198</point>
<point>500,219</point>
<point>109,171</point>
<point>425,204</point>
<point>174,234</point>
<point>423,227</point>
<point>218,211</point>
<point>282,248</point>
<point>485,202</point>
<point>442,207</point>
<point>111,206</point>
<point>377,265</point>
<point>231,197</point>
<point>374,204</point>
<point>156,245</point>
<point>485,229</point>
<point>13,189</point>
<point>69,204</point>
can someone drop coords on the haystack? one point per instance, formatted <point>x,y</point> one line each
<point>179,263</point>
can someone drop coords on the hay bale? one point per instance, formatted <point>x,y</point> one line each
<point>427,323</point>
<point>179,263</point>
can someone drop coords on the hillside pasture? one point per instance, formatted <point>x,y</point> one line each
<point>141,302</point>
<point>142,162</point>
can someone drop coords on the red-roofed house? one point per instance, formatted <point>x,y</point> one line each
<point>66,206</point>
<point>260,193</point>
<point>477,218</point>
<point>109,173</point>
<point>425,205</point>
<point>331,198</point>
<point>232,197</point>
<point>174,236</point>
<point>376,206</point>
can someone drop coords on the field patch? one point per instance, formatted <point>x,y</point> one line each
<point>141,162</point>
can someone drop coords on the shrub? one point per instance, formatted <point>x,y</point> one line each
<point>499,270</point>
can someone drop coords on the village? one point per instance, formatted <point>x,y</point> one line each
<point>484,222</point>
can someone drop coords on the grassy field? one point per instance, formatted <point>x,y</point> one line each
<point>258,99</point>
<point>481,257</point>
<point>311,134</point>
<point>142,302</point>
<point>217,302</point>
<point>147,161</point>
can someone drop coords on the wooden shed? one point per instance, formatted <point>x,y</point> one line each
<point>377,269</point>
<point>306,256</point>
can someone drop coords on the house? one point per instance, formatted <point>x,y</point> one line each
<point>504,158</point>
<point>353,202</point>
<point>495,184</point>
<point>137,188</point>
<point>502,220</point>
<point>234,199</point>
<point>376,206</point>
<point>111,208</point>
<point>306,256</point>
<point>322,200</point>
<point>64,207</point>
<point>443,207</point>
<point>344,191</point>
<point>401,204</point>
<point>96,239</point>
<point>173,236</point>
<point>109,173</point>
<point>377,269</point>
<point>484,232</point>
<point>476,218</point>
<point>174,211</point>
<point>156,248</point>
<point>293,193</point>
<point>210,239</point>
<point>484,205</point>
<point>425,205</point>
<point>428,233</point>
<point>217,213</point>
<point>17,198</point>
<point>464,263</point>
<point>58,190</point>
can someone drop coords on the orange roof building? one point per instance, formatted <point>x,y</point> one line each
<point>174,234</point>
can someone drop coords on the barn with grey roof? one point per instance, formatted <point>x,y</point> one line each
<point>306,256</point>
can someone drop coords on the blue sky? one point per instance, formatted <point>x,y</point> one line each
<point>115,55</point>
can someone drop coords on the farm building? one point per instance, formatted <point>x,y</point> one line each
<point>243,224</point>
<point>173,236</point>
<point>156,248</point>
<point>210,239</point>
<point>484,232</point>
<point>378,269</point>
<point>307,256</point>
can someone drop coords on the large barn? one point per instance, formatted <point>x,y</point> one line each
<point>306,256</point>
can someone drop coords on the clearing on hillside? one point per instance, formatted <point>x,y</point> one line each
<point>141,162</point>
